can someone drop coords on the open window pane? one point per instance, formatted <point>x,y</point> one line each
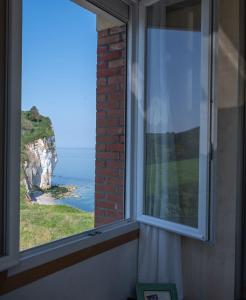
<point>73,120</point>
<point>176,121</point>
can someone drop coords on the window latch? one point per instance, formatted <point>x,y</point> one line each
<point>94,232</point>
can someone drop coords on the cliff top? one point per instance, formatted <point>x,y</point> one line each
<point>34,126</point>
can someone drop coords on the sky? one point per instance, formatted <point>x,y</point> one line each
<point>59,68</point>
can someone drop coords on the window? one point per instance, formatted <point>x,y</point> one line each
<point>66,130</point>
<point>72,120</point>
<point>175,119</point>
<point>75,61</point>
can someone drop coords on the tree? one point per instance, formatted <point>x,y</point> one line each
<point>34,114</point>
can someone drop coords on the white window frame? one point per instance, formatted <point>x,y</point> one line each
<point>202,232</point>
<point>14,260</point>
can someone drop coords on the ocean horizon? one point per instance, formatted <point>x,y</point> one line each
<point>76,167</point>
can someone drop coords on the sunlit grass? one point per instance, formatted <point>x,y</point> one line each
<point>40,224</point>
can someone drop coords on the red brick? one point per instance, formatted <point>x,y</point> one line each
<point>101,81</point>
<point>116,113</point>
<point>115,131</point>
<point>122,104</point>
<point>102,65</point>
<point>100,131</point>
<point>115,164</point>
<point>100,180</point>
<point>116,147</point>
<point>107,188</point>
<point>122,139</point>
<point>115,181</point>
<point>116,79</point>
<point>110,140</point>
<point>122,172</point>
<point>121,189</point>
<point>104,220</point>
<point>113,88</point>
<point>101,115</point>
<point>102,49</point>
<point>107,139</point>
<point>109,39</point>
<point>110,55</point>
<point>114,198</point>
<point>108,72</point>
<point>117,29</point>
<point>107,172</point>
<point>99,195</point>
<point>106,212</point>
<point>116,63</point>
<point>122,121</point>
<point>108,123</point>
<point>106,106</point>
<point>107,204</point>
<point>103,33</point>
<point>120,96</point>
<point>101,98</point>
<point>100,147</point>
<point>107,155</point>
<point>117,46</point>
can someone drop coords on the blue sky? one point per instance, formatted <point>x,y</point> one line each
<point>59,68</point>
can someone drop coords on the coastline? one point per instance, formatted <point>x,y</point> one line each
<point>46,199</point>
<point>50,196</point>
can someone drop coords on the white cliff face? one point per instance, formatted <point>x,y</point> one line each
<point>40,163</point>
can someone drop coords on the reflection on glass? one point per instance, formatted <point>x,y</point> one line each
<point>173,100</point>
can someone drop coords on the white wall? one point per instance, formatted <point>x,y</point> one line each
<point>108,276</point>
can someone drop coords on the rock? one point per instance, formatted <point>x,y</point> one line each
<point>41,159</point>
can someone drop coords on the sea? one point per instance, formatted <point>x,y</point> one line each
<point>76,167</point>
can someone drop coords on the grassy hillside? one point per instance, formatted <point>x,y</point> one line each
<point>172,169</point>
<point>181,179</point>
<point>40,224</point>
<point>173,146</point>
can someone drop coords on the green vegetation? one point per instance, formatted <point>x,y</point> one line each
<point>59,192</point>
<point>40,224</point>
<point>172,170</point>
<point>34,126</point>
<point>181,179</point>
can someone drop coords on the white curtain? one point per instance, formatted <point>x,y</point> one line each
<point>159,250</point>
<point>160,257</point>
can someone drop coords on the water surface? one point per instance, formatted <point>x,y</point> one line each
<point>76,167</point>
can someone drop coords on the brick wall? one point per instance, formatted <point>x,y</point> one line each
<point>110,122</point>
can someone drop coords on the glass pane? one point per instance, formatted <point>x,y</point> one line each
<point>73,120</point>
<point>173,103</point>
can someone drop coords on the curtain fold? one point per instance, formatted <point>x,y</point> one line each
<point>159,250</point>
<point>160,257</point>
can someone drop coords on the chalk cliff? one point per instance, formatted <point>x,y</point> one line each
<point>38,153</point>
<point>40,163</point>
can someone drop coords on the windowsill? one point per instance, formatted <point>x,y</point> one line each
<point>42,261</point>
<point>44,254</point>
